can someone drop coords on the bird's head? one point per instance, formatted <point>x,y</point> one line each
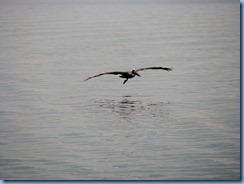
<point>135,73</point>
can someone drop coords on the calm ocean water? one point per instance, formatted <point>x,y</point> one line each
<point>179,125</point>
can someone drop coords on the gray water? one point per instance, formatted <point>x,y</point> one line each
<point>178,125</point>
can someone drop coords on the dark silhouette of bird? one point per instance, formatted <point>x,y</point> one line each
<point>129,74</point>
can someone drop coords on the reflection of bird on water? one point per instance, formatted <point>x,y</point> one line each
<point>130,74</point>
<point>131,109</point>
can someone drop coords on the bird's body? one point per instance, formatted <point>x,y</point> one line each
<point>129,74</point>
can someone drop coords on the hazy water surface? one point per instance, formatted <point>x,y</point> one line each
<point>179,125</point>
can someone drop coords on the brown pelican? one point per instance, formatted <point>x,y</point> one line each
<point>130,74</point>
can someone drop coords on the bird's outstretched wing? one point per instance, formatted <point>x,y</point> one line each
<point>154,68</point>
<point>114,73</point>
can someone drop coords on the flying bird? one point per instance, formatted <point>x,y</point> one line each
<point>130,74</point>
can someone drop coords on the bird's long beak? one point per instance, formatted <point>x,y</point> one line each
<point>137,74</point>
